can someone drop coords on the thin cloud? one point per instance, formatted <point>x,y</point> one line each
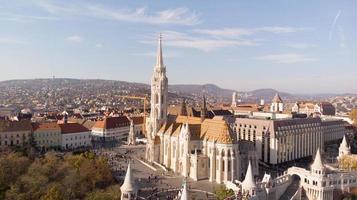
<point>99,45</point>
<point>74,38</point>
<point>24,18</point>
<point>183,40</point>
<point>236,32</point>
<point>181,16</point>
<point>334,23</point>
<point>301,45</point>
<point>288,58</point>
<point>225,32</point>
<point>154,54</point>
<point>280,29</point>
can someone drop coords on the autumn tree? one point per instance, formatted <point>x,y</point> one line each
<point>353,116</point>
<point>222,193</point>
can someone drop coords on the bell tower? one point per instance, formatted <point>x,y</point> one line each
<point>158,103</point>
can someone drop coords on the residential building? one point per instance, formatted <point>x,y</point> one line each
<point>277,104</point>
<point>74,135</point>
<point>313,108</point>
<point>14,133</point>
<point>111,129</point>
<point>47,135</point>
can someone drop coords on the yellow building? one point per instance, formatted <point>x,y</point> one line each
<point>47,135</point>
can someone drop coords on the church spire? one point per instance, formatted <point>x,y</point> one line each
<point>203,109</point>
<point>159,59</point>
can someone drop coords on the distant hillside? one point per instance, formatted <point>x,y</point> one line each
<point>192,91</point>
<point>268,94</point>
<point>211,89</point>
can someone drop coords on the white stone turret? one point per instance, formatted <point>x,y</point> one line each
<point>184,195</point>
<point>344,148</point>
<point>128,189</point>
<point>131,136</point>
<point>317,166</point>
<point>277,104</point>
<point>248,185</point>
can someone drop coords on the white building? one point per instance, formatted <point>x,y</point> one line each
<point>74,136</point>
<point>111,129</point>
<point>313,108</point>
<point>277,104</point>
<point>320,182</point>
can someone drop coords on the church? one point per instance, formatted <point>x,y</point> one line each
<point>193,146</point>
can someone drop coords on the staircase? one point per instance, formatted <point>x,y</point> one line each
<point>290,191</point>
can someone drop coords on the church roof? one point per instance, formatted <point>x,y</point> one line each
<point>277,99</point>
<point>215,130</point>
<point>129,183</point>
<point>248,181</point>
<point>318,164</point>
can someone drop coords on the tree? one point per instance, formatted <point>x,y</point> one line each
<point>12,166</point>
<point>56,177</point>
<point>222,193</point>
<point>53,193</point>
<point>353,116</point>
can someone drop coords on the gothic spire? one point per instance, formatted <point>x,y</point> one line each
<point>203,109</point>
<point>159,59</point>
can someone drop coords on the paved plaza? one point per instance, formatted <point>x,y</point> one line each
<point>153,181</point>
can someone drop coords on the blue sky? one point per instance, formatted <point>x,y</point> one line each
<point>294,46</point>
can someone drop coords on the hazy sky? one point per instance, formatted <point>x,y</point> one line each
<point>294,46</point>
